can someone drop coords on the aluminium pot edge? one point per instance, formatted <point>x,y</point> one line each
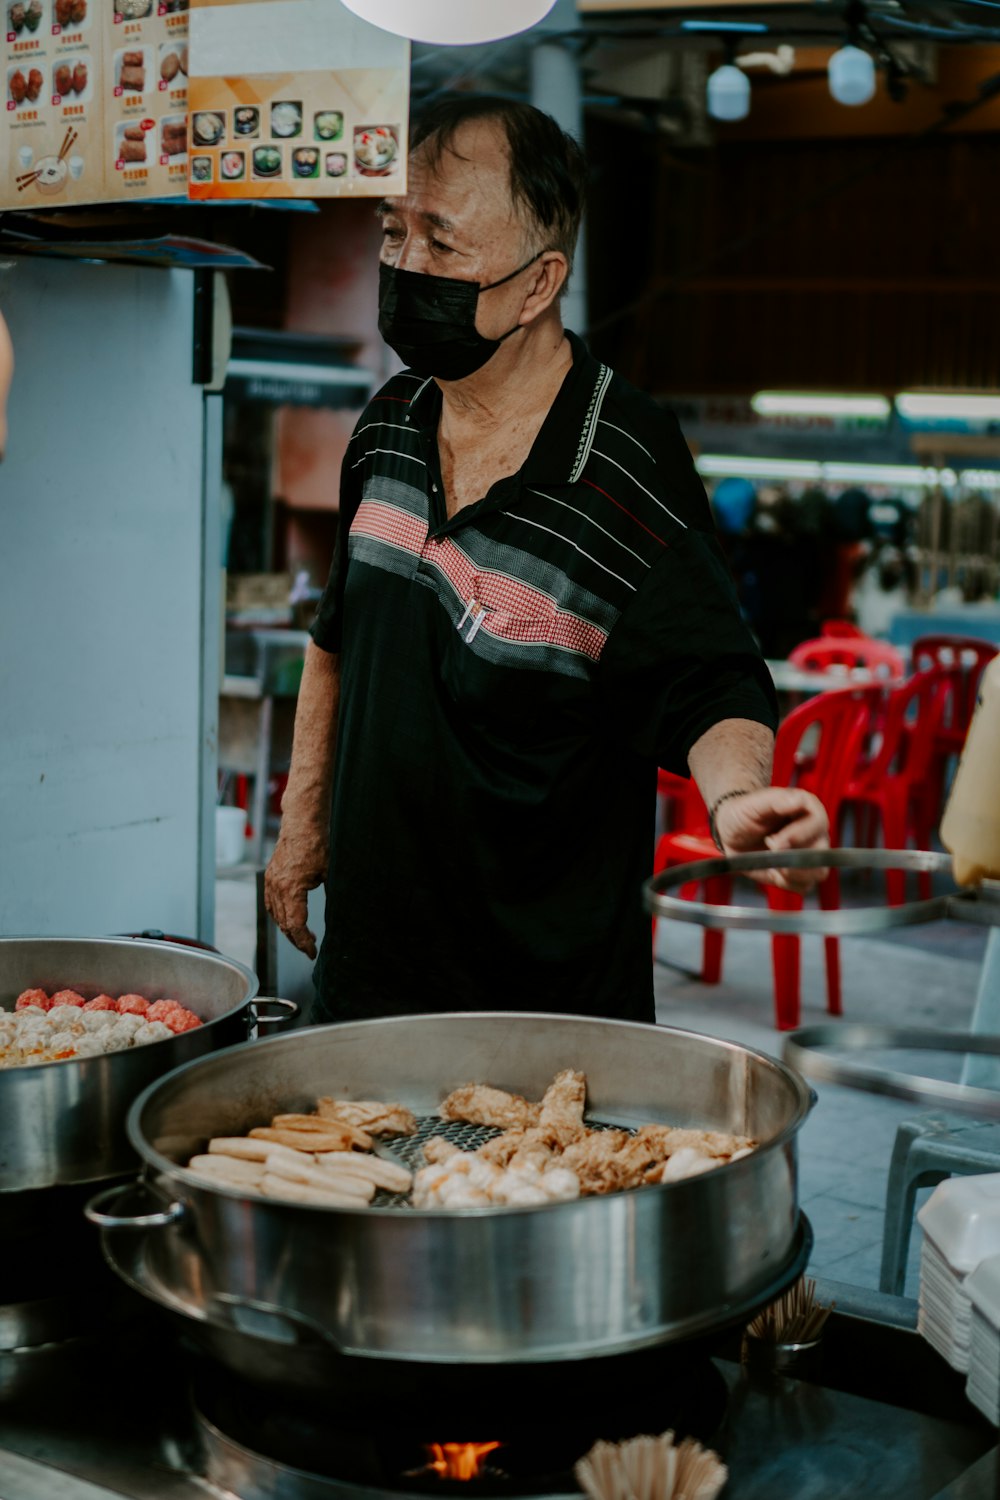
<point>488,1285</point>
<point>63,1123</point>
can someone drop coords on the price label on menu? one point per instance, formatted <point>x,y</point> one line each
<point>97,107</point>
<point>295,99</point>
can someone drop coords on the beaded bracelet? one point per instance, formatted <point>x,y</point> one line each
<point>740,792</point>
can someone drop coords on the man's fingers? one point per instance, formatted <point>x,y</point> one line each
<point>302,939</point>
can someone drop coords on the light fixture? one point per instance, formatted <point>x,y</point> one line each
<point>452,22</point>
<point>948,406</point>
<point>810,404</point>
<point>851,74</point>
<point>721,465</point>
<point>980,479</point>
<point>728,93</point>
<point>903,476</point>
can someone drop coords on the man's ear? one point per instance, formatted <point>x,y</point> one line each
<point>550,273</point>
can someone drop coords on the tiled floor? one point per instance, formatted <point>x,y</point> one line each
<point>924,976</point>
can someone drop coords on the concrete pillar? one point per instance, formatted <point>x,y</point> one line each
<point>555,87</point>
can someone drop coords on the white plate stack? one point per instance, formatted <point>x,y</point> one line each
<point>961,1224</point>
<point>983,1384</point>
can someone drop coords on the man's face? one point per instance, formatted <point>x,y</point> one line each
<point>6,373</point>
<point>458,220</point>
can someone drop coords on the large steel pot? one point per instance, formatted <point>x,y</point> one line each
<point>64,1123</point>
<point>601,1275</point>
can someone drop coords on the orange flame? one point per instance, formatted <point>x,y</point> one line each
<point>458,1460</point>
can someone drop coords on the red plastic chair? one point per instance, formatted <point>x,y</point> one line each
<point>842,630</point>
<point>826,653</point>
<point>964,659</point>
<point>818,747</point>
<point>893,782</point>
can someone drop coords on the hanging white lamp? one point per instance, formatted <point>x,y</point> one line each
<point>851,73</point>
<point>728,93</point>
<point>452,22</point>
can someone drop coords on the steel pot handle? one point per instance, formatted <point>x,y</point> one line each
<point>94,1211</point>
<point>265,1321</point>
<point>288,1010</point>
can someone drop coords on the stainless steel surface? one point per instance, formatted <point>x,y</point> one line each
<point>158,1219</point>
<point>809,1050</point>
<point>64,1123</point>
<point>980,905</point>
<point>599,1275</point>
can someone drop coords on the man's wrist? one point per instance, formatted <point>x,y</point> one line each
<point>743,791</point>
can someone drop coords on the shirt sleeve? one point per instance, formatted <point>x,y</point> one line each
<point>327,627</point>
<point>681,658</point>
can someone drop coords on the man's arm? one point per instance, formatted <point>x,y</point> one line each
<point>731,762</point>
<point>300,856</point>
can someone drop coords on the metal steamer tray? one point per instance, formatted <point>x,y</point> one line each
<point>810,1049</point>
<point>282,1286</point>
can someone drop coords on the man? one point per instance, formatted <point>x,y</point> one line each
<point>527,613</point>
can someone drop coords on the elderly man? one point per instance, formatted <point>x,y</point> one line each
<point>527,614</point>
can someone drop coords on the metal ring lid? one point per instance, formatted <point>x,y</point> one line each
<point>806,1051</point>
<point>979,904</point>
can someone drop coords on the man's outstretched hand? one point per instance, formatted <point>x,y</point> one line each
<point>775,818</point>
<point>297,866</point>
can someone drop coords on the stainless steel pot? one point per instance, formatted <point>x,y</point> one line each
<point>602,1275</point>
<point>64,1123</point>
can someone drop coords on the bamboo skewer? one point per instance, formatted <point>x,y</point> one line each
<point>68,143</point>
<point>651,1468</point>
<point>796,1317</point>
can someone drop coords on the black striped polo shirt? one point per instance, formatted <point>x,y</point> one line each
<point>510,680</point>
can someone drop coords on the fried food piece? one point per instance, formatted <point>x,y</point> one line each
<point>170,67</point>
<point>17,86</point>
<point>477,1104</point>
<point>132,59</point>
<point>228,1169</point>
<point>500,1149</point>
<point>239,1147</point>
<point>563,1105</point>
<point>132,150</point>
<point>135,133</point>
<point>174,140</point>
<point>63,79</point>
<point>384,1174</point>
<point>596,1159</point>
<point>437,1149</point>
<point>666,1139</point>
<point>33,997</point>
<point>78,11</point>
<point>17,17</point>
<point>335,1138</point>
<point>273,1186</point>
<point>133,79</point>
<point>35,81</point>
<point>370,1114</point>
<point>363,1189</point>
<point>79,78</point>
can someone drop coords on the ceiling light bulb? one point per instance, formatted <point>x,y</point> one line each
<point>852,76</point>
<point>452,22</point>
<point>728,93</point>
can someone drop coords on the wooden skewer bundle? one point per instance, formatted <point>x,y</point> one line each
<point>68,143</point>
<point>651,1468</point>
<point>796,1317</point>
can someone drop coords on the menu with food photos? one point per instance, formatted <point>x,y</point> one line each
<point>96,94</point>
<point>295,99</point>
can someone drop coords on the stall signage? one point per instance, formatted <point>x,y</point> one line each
<point>88,116</point>
<point>295,99</point>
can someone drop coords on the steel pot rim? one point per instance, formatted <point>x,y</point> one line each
<point>108,1059</point>
<point>165,1166</point>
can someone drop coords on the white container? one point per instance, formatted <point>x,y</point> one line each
<point>983,1384</point>
<point>230,835</point>
<point>970,827</point>
<point>962,1217</point>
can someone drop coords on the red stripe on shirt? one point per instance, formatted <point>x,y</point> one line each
<point>628,513</point>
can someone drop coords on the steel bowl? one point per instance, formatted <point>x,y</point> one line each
<point>598,1276</point>
<point>64,1123</point>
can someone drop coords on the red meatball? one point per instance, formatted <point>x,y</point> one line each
<point>68,997</point>
<point>132,1005</point>
<point>32,997</point>
<point>161,1009</point>
<point>101,1002</point>
<point>180,1020</point>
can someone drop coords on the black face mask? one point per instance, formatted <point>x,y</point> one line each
<point>430,321</point>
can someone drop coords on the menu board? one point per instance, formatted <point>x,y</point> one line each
<point>96,96</point>
<point>295,99</point>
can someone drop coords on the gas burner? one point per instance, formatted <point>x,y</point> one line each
<point>529,1424</point>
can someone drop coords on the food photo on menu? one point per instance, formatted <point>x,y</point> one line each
<point>25,17</point>
<point>376,148</point>
<point>131,146</point>
<point>267,161</point>
<point>71,81</point>
<point>328,125</point>
<point>201,169</point>
<point>305,162</point>
<point>336,163</point>
<point>173,63</point>
<point>246,122</point>
<point>286,118</point>
<point>132,70</point>
<point>173,135</point>
<point>233,166</point>
<point>132,10</point>
<point>25,86</point>
<point>208,127</point>
<point>70,14</point>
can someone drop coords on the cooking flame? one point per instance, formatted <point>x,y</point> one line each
<point>458,1460</point>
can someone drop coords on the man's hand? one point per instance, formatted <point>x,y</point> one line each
<point>297,866</point>
<point>775,818</point>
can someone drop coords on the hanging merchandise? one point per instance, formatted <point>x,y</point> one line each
<point>852,76</point>
<point>728,93</point>
<point>96,102</point>
<point>452,22</point>
<point>295,99</point>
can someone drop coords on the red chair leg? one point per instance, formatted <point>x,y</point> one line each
<point>785,961</point>
<point>718,892</point>
<point>894,832</point>
<point>829,900</point>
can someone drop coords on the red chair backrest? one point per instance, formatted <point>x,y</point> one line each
<point>908,727</point>
<point>964,658</point>
<point>834,727</point>
<point>687,811</point>
<point>825,652</point>
<point>842,630</point>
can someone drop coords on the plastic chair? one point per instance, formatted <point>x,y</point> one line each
<point>826,653</point>
<point>817,747</point>
<point>842,630</point>
<point>893,782</point>
<point>964,659</point>
<point>931,1147</point>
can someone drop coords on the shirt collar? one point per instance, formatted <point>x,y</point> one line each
<point>563,444</point>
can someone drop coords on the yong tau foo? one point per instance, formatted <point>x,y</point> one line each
<point>46,1028</point>
<point>536,1152</point>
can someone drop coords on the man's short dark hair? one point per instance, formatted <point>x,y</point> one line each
<point>548,171</point>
